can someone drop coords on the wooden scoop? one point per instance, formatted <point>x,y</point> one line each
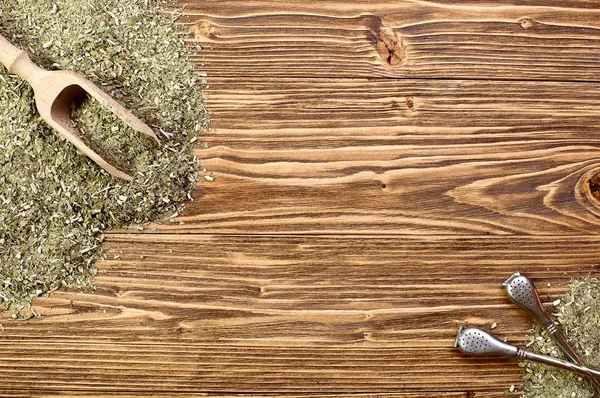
<point>54,94</point>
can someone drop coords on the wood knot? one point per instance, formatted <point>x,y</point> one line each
<point>594,185</point>
<point>386,41</point>
<point>203,30</point>
<point>389,46</point>
<point>526,22</point>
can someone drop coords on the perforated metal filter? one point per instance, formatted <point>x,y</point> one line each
<point>474,341</point>
<point>522,292</point>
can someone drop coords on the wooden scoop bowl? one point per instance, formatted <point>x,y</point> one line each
<point>55,91</point>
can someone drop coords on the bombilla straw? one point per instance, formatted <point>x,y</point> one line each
<point>478,342</point>
<point>523,293</point>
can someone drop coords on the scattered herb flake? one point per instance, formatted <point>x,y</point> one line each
<point>55,204</point>
<point>578,313</point>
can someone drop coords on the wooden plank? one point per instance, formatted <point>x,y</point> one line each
<point>29,394</point>
<point>398,157</point>
<point>538,40</point>
<point>301,315</point>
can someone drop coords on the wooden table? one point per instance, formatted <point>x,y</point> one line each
<point>380,167</point>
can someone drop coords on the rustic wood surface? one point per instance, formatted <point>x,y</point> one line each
<point>380,167</point>
<point>282,315</point>
<point>441,39</point>
<point>21,394</point>
<point>351,156</point>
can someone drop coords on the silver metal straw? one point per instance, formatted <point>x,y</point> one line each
<point>478,342</point>
<point>523,293</point>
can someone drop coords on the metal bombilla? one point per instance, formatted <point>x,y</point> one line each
<point>478,342</point>
<point>523,293</point>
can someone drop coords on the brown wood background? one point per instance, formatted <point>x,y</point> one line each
<point>380,168</point>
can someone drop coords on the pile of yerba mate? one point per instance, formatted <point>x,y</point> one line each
<point>578,314</point>
<point>105,133</point>
<point>54,202</point>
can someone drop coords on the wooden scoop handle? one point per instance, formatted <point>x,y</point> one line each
<point>9,53</point>
<point>17,61</point>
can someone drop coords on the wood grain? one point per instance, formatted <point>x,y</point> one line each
<point>379,168</point>
<point>548,40</point>
<point>358,156</point>
<point>16,393</point>
<point>214,314</point>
